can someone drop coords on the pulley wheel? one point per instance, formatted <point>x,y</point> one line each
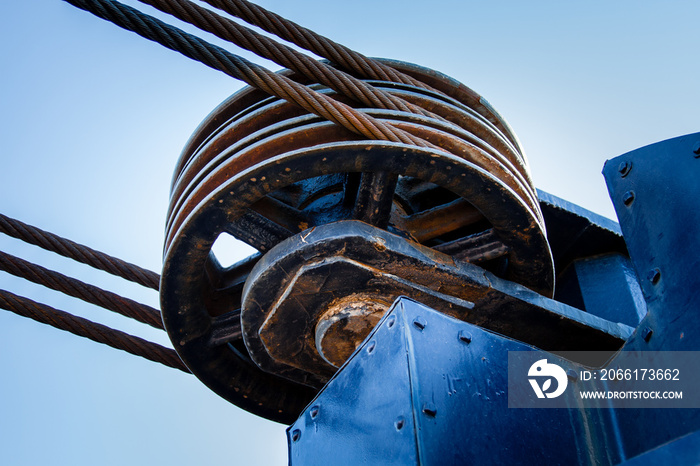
<point>263,170</point>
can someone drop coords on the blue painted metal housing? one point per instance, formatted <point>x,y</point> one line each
<point>425,388</point>
<point>428,389</point>
<point>657,204</point>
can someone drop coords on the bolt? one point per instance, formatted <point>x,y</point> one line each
<point>696,149</point>
<point>628,198</point>
<point>313,412</point>
<point>429,409</point>
<point>572,374</point>
<point>296,435</point>
<point>646,334</point>
<point>654,276</point>
<point>465,336</point>
<point>624,168</point>
<point>400,422</point>
<point>390,323</point>
<point>420,323</point>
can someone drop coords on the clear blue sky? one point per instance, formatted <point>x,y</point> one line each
<point>92,119</point>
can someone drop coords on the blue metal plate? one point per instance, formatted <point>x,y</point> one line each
<point>425,388</point>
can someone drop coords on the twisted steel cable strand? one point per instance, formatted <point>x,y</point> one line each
<point>78,289</point>
<point>346,58</point>
<point>284,55</point>
<point>78,252</point>
<point>309,40</point>
<point>239,68</point>
<point>92,330</point>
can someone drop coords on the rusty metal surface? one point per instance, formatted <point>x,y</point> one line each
<point>185,313</point>
<point>474,112</point>
<point>263,170</point>
<point>354,271</point>
<point>250,137</point>
<point>345,323</point>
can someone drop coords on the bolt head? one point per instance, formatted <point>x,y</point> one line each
<point>654,276</point>
<point>624,168</point>
<point>419,323</point>
<point>313,412</point>
<point>646,334</point>
<point>429,409</point>
<point>696,149</point>
<point>465,337</point>
<point>371,346</point>
<point>628,198</point>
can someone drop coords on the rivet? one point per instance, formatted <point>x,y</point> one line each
<point>400,422</point>
<point>654,276</point>
<point>646,334</point>
<point>696,149</point>
<point>296,435</point>
<point>628,198</point>
<point>465,336</point>
<point>572,374</point>
<point>624,168</point>
<point>420,323</point>
<point>390,323</point>
<point>313,412</point>
<point>371,346</point>
<point>429,409</point>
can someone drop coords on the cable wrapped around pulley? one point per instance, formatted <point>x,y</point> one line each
<point>239,68</point>
<point>284,55</point>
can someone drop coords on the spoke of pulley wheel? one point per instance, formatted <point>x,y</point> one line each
<point>221,278</point>
<point>225,284</point>
<point>238,272</point>
<point>258,231</point>
<point>475,248</point>
<point>375,196</point>
<point>225,328</point>
<point>442,220</point>
<point>282,214</point>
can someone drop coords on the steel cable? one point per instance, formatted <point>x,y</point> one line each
<point>348,59</point>
<point>72,287</point>
<point>78,252</point>
<point>309,40</point>
<point>239,68</point>
<point>283,55</point>
<point>92,330</point>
